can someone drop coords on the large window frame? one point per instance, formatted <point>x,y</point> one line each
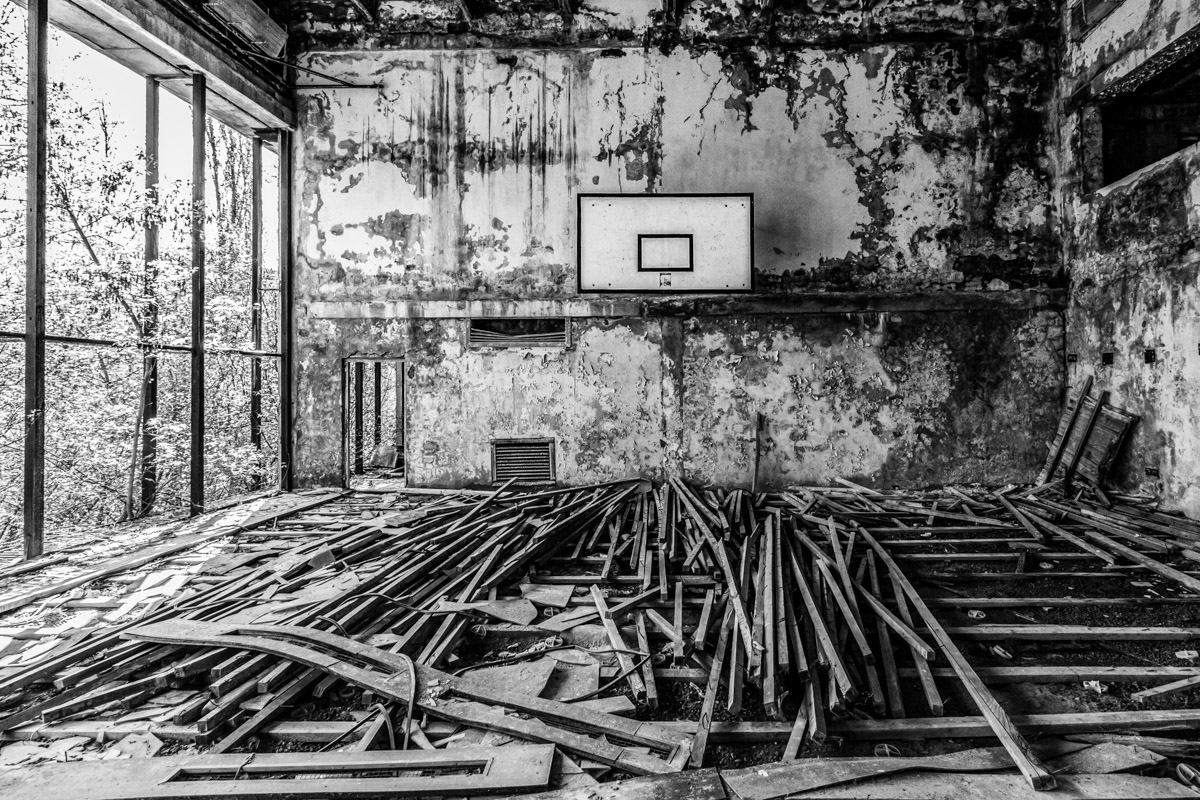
<point>35,337</point>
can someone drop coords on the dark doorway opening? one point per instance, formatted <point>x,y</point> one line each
<point>374,422</point>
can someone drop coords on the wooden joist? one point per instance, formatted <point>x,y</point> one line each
<point>997,718</point>
<point>710,693</point>
<point>974,727</point>
<point>1070,674</point>
<point>1073,633</point>
<point>628,667</point>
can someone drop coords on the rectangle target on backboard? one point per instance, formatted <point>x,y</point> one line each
<point>665,242</point>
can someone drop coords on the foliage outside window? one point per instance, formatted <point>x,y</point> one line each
<point>99,287</point>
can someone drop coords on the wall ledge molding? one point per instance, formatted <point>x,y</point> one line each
<point>695,305</point>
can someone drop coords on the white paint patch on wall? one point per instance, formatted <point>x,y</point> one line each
<point>515,162</point>
<point>917,172</point>
<point>599,401</point>
<point>813,395</point>
<point>810,203</point>
<point>868,121</point>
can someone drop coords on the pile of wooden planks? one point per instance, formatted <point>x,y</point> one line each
<point>549,617</point>
<point>386,574</point>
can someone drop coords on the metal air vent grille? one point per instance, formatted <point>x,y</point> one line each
<point>527,460</point>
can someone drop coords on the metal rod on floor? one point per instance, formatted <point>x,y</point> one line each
<point>398,435</point>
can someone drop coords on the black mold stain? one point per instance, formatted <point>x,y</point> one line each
<point>820,23</point>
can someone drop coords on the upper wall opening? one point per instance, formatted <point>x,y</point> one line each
<point>1153,113</point>
<point>235,44</point>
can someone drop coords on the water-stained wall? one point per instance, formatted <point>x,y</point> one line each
<point>1130,250</point>
<point>1135,287</point>
<point>1099,56</point>
<point>896,167</point>
<point>905,399</point>
<point>898,152</point>
<point>908,398</point>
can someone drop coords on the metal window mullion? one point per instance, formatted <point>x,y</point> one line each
<point>359,372</point>
<point>149,459</point>
<point>36,155</point>
<point>196,477</point>
<point>377,410</point>
<point>286,471</point>
<point>256,198</point>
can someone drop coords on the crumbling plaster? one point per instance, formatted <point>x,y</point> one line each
<point>1130,253</point>
<point>900,150</point>
<point>893,399</point>
<point>914,167</point>
<point>908,399</point>
<point>1123,41</point>
<point>419,24</point>
<point>1135,286</point>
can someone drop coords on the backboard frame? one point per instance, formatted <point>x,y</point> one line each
<point>582,197</point>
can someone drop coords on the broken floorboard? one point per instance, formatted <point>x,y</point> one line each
<point>880,779</point>
<point>440,694</point>
<point>145,556</point>
<point>464,771</point>
<point>960,727</point>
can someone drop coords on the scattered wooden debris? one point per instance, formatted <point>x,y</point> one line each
<point>553,616</point>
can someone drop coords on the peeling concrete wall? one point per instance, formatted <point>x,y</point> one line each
<point>911,167</point>
<point>1123,41</point>
<point>1135,286</point>
<point>417,24</point>
<point>601,401</point>
<point>903,149</point>
<point>1130,252</point>
<point>889,399</point>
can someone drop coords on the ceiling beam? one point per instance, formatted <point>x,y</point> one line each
<point>152,40</point>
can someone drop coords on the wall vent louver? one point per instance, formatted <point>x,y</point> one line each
<point>530,461</point>
<point>542,332</point>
